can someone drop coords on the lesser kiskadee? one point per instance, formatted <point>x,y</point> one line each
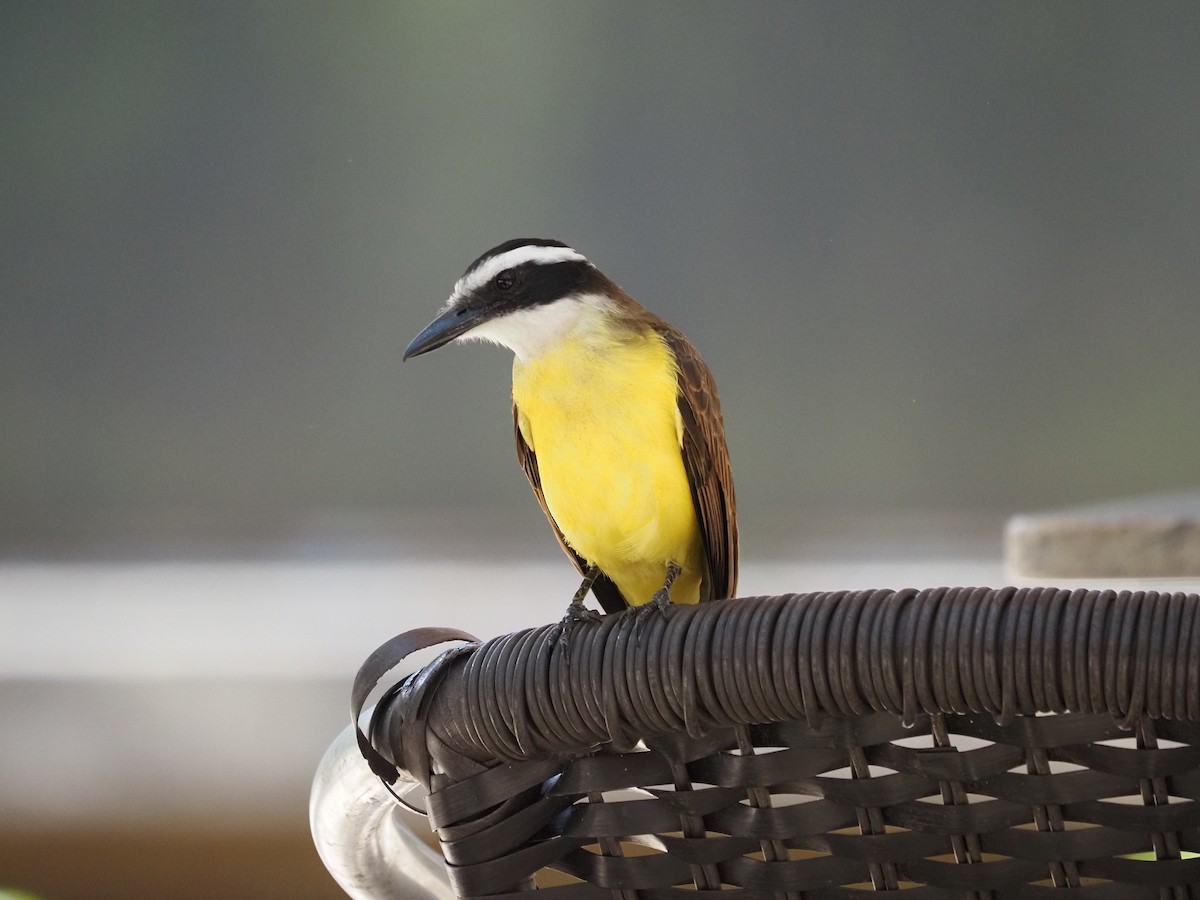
<point>617,423</point>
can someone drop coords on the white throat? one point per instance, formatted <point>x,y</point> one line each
<point>529,333</point>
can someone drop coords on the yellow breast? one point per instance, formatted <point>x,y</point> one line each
<point>599,411</point>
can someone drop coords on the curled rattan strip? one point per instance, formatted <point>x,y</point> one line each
<point>548,671</point>
<point>1129,683</point>
<point>1178,657</point>
<point>665,673</point>
<point>513,718</point>
<point>1158,687</point>
<point>548,693</point>
<point>521,722</point>
<point>470,723</point>
<point>527,720</point>
<point>910,616</point>
<point>1112,674</point>
<point>1157,678</point>
<point>753,659</point>
<point>964,642</point>
<point>778,697</point>
<point>1177,660</point>
<point>1022,659</point>
<point>1182,621</point>
<point>729,636</point>
<point>853,678</point>
<point>484,672</point>
<point>832,629</point>
<point>1189,662</point>
<point>1058,684</point>
<point>618,698</point>
<point>561,706</point>
<point>937,650</point>
<point>1096,662</point>
<point>492,721</point>
<point>982,648</point>
<point>763,690</point>
<point>803,653</point>
<point>822,608</point>
<point>580,707</point>
<point>653,684</point>
<point>938,654</point>
<point>722,676</point>
<point>743,638</point>
<point>946,630</point>
<point>1161,682</point>
<point>597,704</point>
<point>499,717</point>
<point>1081,635</point>
<point>634,667</point>
<point>921,685</point>
<point>873,619</point>
<point>845,663</point>
<point>1131,688</point>
<point>1043,629</point>
<point>862,649</point>
<point>660,718</point>
<point>786,664</point>
<point>677,666</point>
<point>894,604</point>
<point>1060,616</point>
<point>970,648</point>
<point>701,695</point>
<point>757,657</point>
<point>667,677</point>
<point>831,675</point>
<point>1041,645</point>
<point>1192,679</point>
<point>992,636</point>
<point>1015,665</point>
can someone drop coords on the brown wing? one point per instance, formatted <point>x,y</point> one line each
<point>605,590</point>
<point>706,461</point>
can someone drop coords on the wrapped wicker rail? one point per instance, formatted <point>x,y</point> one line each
<point>945,743</point>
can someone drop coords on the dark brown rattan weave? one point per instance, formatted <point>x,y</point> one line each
<point>956,742</point>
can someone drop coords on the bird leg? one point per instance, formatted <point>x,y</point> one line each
<point>577,612</point>
<point>662,597</point>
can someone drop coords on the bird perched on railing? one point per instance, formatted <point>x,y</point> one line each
<point>617,422</point>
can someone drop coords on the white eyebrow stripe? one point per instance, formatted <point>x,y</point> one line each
<point>490,268</point>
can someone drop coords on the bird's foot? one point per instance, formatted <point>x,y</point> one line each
<point>576,614</point>
<point>656,606</point>
<point>662,597</point>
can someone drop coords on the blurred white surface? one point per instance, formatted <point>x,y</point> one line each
<point>288,620</point>
<point>210,690</point>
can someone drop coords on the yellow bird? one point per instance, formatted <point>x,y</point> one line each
<point>617,422</point>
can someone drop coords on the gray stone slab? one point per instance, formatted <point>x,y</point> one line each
<point>1148,537</point>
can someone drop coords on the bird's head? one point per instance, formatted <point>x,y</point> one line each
<point>524,294</point>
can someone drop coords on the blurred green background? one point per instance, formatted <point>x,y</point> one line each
<point>937,254</point>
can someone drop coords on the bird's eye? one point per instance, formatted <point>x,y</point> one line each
<point>505,280</point>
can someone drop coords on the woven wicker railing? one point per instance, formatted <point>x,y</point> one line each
<point>943,743</point>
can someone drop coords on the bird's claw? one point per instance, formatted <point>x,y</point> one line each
<point>656,606</point>
<point>576,614</point>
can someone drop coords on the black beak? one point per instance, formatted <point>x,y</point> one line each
<point>453,323</point>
